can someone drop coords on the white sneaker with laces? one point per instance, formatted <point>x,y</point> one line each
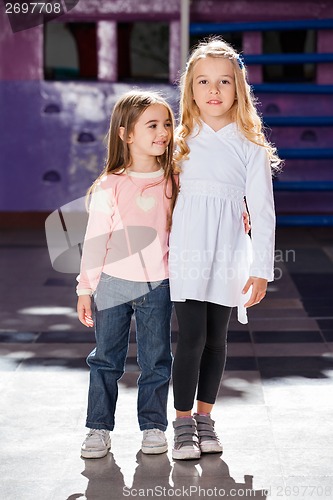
<point>154,442</point>
<point>96,444</point>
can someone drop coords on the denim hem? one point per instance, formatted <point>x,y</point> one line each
<point>92,425</point>
<point>161,427</point>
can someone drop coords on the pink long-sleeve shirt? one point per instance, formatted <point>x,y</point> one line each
<point>126,234</point>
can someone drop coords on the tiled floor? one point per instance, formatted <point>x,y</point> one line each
<point>274,410</point>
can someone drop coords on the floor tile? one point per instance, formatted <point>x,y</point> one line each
<point>291,427</point>
<point>240,349</point>
<point>286,337</point>
<point>240,388</point>
<point>297,364</point>
<point>239,336</point>
<point>314,284</point>
<point>67,336</point>
<point>325,324</point>
<point>241,363</point>
<point>283,324</point>
<point>294,391</point>
<point>19,337</point>
<point>290,350</point>
<point>315,461</point>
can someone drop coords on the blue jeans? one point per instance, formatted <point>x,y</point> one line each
<point>114,307</point>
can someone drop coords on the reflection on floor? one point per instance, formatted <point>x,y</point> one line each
<point>274,411</point>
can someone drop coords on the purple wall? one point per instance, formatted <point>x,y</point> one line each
<point>59,150</point>
<point>21,54</point>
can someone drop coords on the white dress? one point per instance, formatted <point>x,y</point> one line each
<point>211,257</point>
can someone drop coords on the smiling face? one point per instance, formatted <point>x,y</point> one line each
<point>151,135</point>
<point>214,90</point>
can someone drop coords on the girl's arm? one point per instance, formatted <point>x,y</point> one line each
<point>96,239</point>
<point>260,202</point>
<point>84,310</point>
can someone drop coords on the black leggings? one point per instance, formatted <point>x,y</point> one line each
<point>201,352</point>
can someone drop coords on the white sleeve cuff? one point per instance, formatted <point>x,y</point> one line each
<point>84,291</point>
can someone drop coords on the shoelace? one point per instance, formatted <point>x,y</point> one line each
<point>153,431</point>
<point>99,432</point>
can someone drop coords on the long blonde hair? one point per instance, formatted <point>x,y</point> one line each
<point>243,111</point>
<point>126,113</point>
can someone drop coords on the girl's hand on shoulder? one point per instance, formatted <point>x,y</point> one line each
<point>259,288</point>
<point>246,222</point>
<point>84,310</point>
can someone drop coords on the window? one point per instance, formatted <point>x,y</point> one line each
<point>70,51</point>
<point>143,51</point>
<point>284,42</point>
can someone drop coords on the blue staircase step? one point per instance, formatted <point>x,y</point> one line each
<point>303,185</point>
<point>306,153</point>
<point>305,220</point>
<point>298,121</point>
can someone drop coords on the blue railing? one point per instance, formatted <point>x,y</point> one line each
<point>292,88</point>
<point>305,220</point>
<point>306,24</point>
<point>298,121</point>
<point>306,153</point>
<point>288,58</point>
<point>303,185</point>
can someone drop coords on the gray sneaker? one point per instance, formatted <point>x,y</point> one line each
<point>186,444</point>
<point>208,439</point>
<point>96,444</point>
<point>154,442</point>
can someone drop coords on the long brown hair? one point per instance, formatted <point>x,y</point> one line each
<point>126,113</point>
<point>243,111</point>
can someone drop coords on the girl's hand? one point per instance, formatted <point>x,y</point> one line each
<point>259,287</point>
<point>246,221</point>
<point>84,310</point>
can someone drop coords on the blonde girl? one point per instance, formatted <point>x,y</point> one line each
<point>214,265</point>
<point>124,267</point>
